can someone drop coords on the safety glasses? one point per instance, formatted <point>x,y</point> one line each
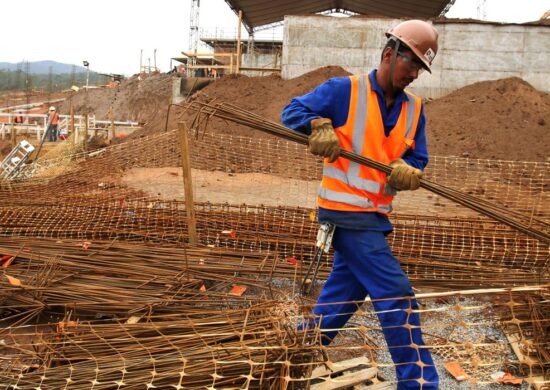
<point>412,63</point>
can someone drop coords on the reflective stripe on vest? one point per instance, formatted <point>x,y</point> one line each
<point>352,178</point>
<point>359,201</point>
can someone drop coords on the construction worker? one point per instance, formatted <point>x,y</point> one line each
<point>374,116</point>
<point>53,121</point>
<point>18,117</point>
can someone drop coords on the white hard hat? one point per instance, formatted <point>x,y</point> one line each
<point>52,108</point>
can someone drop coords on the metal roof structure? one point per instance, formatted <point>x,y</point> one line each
<point>258,13</point>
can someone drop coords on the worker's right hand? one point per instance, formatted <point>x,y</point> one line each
<point>323,140</point>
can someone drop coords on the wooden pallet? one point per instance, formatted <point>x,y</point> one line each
<point>344,374</point>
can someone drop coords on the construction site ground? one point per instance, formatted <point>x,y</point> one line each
<point>91,226</point>
<point>269,190</point>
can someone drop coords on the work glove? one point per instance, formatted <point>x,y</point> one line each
<point>403,176</point>
<point>323,140</point>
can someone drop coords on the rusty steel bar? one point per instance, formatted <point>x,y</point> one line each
<point>527,225</point>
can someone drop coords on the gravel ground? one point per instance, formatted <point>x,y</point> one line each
<point>465,321</point>
<point>445,323</point>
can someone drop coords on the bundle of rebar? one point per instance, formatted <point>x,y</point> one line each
<point>116,278</point>
<point>254,347</point>
<point>246,348</point>
<point>528,225</point>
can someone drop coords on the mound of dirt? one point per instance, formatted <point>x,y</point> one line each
<point>503,119</point>
<point>141,98</point>
<point>265,96</point>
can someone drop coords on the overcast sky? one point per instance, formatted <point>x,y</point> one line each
<point>111,33</point>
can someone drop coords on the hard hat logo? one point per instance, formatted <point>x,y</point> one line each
<point>429,55</point>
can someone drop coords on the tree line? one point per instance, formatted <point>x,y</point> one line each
<point>18,80</point>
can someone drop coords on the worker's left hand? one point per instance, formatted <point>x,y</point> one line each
<point>403,176</point>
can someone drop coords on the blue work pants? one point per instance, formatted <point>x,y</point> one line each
<point>52,133</point>
<point>364,265</point>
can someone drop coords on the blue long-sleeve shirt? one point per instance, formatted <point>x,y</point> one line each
<point>331,100</point>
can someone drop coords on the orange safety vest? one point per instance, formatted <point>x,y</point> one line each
<point>349,186</point>
<point>54,120</point>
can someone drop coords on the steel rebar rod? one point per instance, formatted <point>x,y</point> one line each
<point>494,211</point>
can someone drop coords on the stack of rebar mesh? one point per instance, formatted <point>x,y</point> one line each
<point>107,313</point>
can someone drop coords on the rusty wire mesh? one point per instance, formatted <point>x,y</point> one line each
<point>275,172</point>
<point>134,314</point>
<point>71,320</point>
<point>134,191</point>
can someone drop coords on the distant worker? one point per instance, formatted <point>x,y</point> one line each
<point>374,116</point>
<point>18,117</point>
<point>53,122</point>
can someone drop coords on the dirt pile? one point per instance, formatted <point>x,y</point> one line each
<point>265,96</point>
<point>146,100</point>
<point>504,119</point>
<point>141,98</point>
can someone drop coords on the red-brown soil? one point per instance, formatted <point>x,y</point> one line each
<point>265,96</point>
<point>141,98</point>
<point>5,148</point>
<point>504,119</point>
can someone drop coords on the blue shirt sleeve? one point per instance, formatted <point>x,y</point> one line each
<point>329,100</point>
<point>418,157</point>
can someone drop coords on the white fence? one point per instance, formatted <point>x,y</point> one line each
<point>37,124</point>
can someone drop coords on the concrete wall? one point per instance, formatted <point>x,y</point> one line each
<point>261,60</point>
<point>469,52</point>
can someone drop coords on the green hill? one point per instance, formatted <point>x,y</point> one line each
<point>43,67</point>
<point>17,80</point>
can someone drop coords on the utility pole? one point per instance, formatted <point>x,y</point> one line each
<point>73,78</point>
<point>141,61</point>
<point>50,85</point>
<point>28,84</point>
<point>18,83</point>
<point>155,59</point>
<point>239,49</point>
<point>87,65</point>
